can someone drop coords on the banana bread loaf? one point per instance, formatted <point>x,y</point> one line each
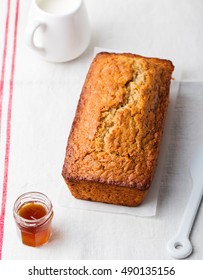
<point>114,142</point>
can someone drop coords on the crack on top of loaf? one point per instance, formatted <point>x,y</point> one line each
<point>109,118</point>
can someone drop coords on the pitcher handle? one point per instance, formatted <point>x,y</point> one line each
<point>29,35</point>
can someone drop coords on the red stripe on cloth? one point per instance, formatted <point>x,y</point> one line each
<point>4,58</point>
<point>8,131</point>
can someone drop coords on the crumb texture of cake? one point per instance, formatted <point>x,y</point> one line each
<point>114,142</point>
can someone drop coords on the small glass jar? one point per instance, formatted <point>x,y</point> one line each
<point>33,213</point>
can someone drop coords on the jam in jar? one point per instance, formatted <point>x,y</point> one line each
<point>33,213</point>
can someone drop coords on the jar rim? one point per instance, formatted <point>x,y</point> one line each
<point>30,197</point>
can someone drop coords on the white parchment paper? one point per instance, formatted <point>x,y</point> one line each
<point>148,207</point>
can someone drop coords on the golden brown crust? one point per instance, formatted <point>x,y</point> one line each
<point>106,193</point>
<point>116,133</point>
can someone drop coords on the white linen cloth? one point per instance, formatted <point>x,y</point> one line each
<point>44,99</point>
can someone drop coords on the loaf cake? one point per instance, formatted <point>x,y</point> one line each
<point>115,137</point>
